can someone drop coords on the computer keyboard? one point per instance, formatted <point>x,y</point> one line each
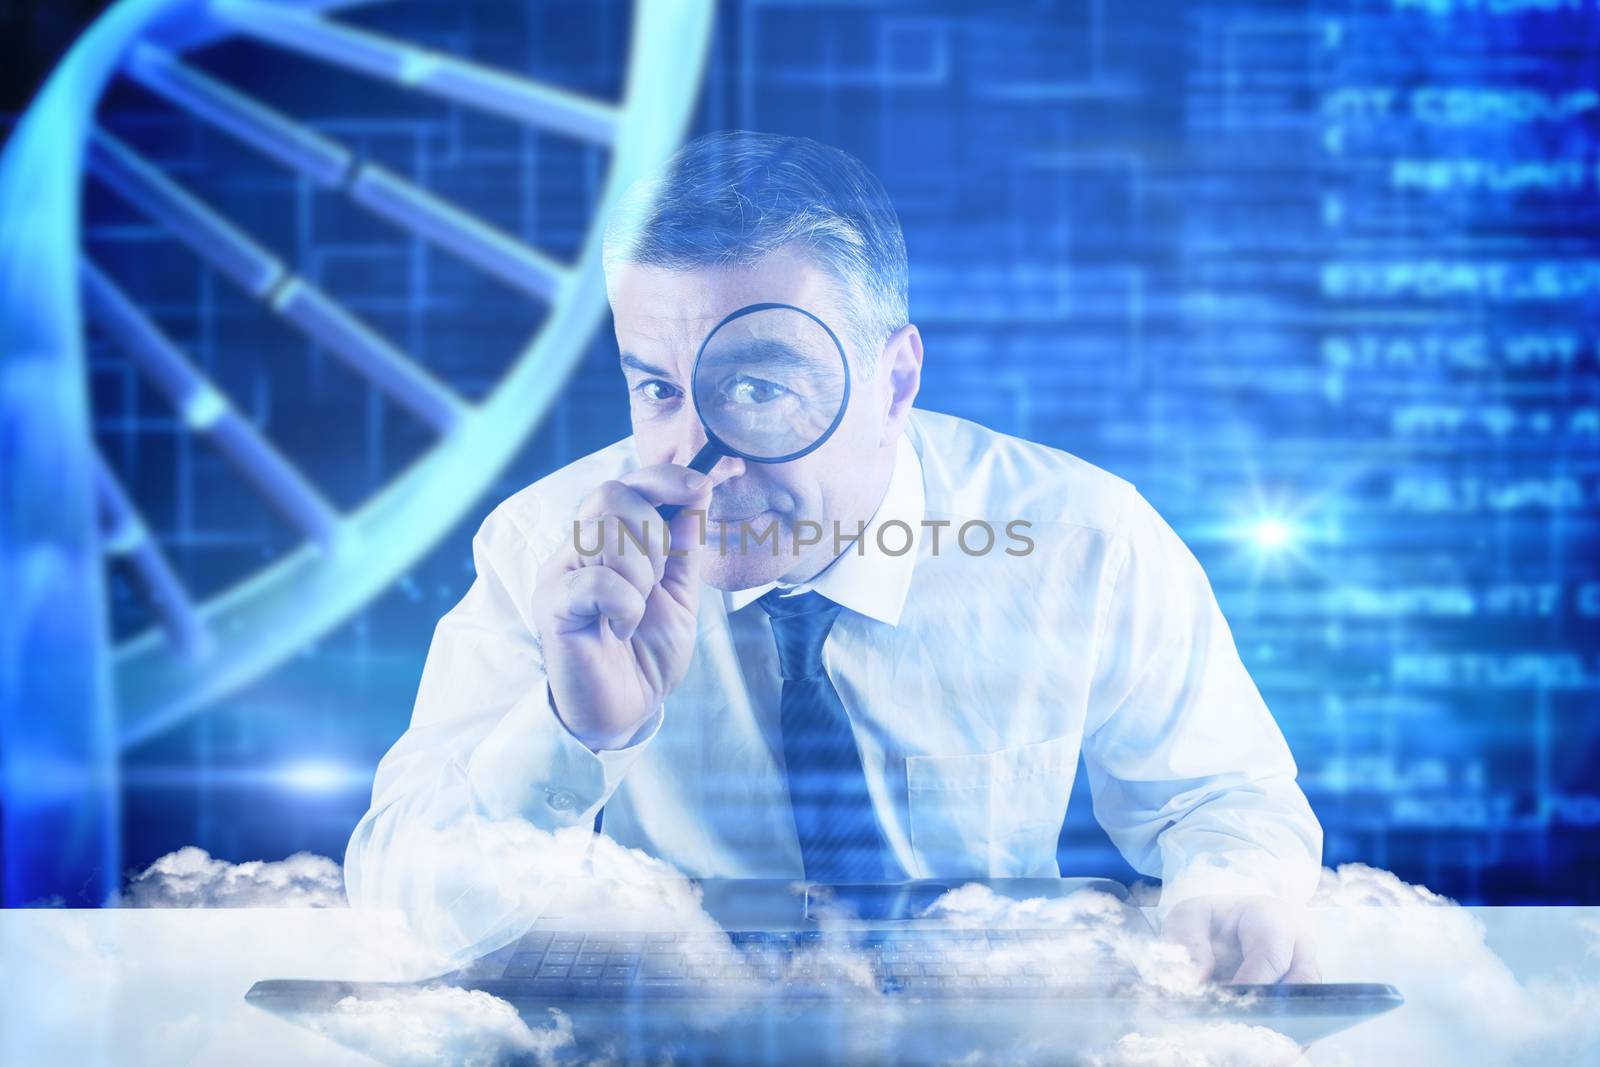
<point>905,961</point>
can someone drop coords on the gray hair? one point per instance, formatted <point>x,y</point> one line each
<point>731,197</point>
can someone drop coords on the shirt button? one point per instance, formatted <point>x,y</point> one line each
<point>560,799</point>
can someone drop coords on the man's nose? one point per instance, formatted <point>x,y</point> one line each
<point>691,439</point>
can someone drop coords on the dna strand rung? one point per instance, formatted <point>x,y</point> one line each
<point>218,241</point>
<point>293,144</point>
<point>126,535</point>
<point>206,410</point>
<point>61,840</point>
<point>333,166</point>
<point>425,71</point>
<point>264,276</point>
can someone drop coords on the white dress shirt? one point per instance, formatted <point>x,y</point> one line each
<point>972,683</point>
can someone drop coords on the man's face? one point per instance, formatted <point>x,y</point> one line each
<point>662,316</point>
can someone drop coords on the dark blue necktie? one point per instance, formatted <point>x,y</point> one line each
<point>840,840</point>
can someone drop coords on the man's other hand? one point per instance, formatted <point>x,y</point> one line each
<point>1254,940</point>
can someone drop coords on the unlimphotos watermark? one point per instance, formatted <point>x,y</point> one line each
<point>894,537</point>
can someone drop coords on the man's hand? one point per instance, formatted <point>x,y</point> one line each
<point>618,627</point>
<point>1247,939</point>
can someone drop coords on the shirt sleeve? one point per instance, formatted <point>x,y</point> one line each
<point>1191,777</point>
<point>485,774</point>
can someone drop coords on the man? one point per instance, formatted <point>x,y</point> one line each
<point>901,696</point>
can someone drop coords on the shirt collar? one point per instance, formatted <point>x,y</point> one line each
<point>873,583</point>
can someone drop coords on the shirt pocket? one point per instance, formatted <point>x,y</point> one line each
<point>990,814</point>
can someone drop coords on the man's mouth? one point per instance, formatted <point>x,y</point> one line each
<point>725,519</point>
<point>730,509</point>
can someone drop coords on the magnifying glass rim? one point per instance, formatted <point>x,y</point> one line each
<point>694,394</point>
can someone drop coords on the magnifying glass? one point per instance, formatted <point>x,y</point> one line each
<point>770,384</point>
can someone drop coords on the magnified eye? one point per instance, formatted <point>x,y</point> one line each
<point>744,389</point>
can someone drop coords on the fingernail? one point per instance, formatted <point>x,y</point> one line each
<point>694,480</point>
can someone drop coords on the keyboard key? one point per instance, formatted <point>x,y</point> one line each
<point>661,967</point>
<point>565,943</point>
<point>619,972</point>
<point>551,970</point>
<point>566,958</point>
<point>533,942</point>
<point>588,957</point>
<point>523,965</point>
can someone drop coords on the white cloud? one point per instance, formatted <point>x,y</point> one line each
<point>1464,1005</point>
<point>152,987</point>
<point>1358,885</point>
<point>1095,932</point>
<point>1591,931</point>
<point>157,1000</point>
<point>443,1025</point>
<point>191,878</point>
<point>1217,1044</point>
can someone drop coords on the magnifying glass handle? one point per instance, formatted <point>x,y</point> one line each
<point>703,461</point>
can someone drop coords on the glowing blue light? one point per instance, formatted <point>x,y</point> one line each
<point>317,776</point>
<point>1272,534</point>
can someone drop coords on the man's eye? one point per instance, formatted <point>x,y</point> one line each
<point>743,389</point>
<point>656,390</point>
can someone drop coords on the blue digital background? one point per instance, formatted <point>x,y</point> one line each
<point>1319,278</point>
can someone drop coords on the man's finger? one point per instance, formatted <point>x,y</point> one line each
<point>1267,935</point>
<point>600,593</point>
<point>668,483</point>
<point>630,539</point>
<point>1189,925</point>
<point>1304,968</point>
<point>638,556</point>
<point>680,573</point>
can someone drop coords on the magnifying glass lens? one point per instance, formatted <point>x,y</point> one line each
<point>771,383</point>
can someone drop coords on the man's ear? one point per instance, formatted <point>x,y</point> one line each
<point>900,363</point>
